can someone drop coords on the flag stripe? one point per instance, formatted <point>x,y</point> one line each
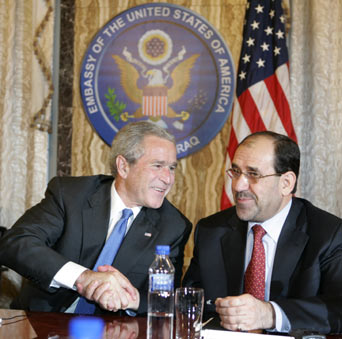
<point>241,129</point>
<point>265,105</point>
<point>263,90</point>
<point>251,116</point>
<point>282,105</point>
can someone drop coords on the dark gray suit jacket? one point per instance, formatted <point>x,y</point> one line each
<point>70,224</point>
<point>307,271</point>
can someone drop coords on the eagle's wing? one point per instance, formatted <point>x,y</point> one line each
<point>129,78</point>
<point>181,79</point>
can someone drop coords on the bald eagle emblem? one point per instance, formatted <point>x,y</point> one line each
<point>155,80</point>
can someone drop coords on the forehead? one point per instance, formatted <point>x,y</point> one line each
<point>256,153</point>
<point>156,146</point>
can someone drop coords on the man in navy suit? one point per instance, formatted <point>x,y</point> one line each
<point>56,243</point>
<point>302,246</point>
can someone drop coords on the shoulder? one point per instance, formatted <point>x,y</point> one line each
<point>168,208</point>
<point>216,225</point>
<point>73,183</point>
<point>76,190</point>
<point>315,214</point>
<point>220,219</point>
<point>169,214</point>
<point>316,221</point>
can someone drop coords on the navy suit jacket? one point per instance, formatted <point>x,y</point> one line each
<point>70,224</point>
<point>307,271</point>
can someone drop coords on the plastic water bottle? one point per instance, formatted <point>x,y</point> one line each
<point>160,304</point>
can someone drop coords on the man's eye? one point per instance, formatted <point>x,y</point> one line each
<point>157,165</point>
<point>236,172</point>
<point>172,168</point>
<point>253,174</point>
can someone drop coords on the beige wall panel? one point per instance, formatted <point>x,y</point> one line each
<point>200,176</point>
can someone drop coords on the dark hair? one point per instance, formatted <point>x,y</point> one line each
<point>286,152</point>
<point>128,142</point>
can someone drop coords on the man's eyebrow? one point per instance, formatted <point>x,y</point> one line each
<point>161,162</point>
<point>249,168</point>
<point>253,169</point>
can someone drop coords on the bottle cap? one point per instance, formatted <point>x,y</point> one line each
<point>163,249</point>
<point>86,328</point>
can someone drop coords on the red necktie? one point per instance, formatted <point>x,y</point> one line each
<point>255,273</point>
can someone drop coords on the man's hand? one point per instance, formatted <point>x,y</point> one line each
<point>109,288</point>
<point>245,313</point>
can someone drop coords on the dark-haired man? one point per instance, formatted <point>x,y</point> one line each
<point>272,261</point>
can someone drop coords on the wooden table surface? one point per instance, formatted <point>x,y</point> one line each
<point>44,325</point>
<point>47,325</point>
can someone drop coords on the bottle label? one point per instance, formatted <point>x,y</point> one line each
<point>162,282</point>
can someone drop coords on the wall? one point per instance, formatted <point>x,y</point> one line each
<point>200,176</point>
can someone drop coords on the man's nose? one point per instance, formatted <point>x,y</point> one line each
<point>240,184</point>
<point>166,175</point>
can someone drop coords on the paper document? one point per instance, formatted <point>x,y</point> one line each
<point>216,334</point>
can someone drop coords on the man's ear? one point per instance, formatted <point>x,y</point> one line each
<point>122,166</point>
<point>287,182</point>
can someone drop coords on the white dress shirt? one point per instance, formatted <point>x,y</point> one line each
<point>68,274</point>
<point>273,228</point>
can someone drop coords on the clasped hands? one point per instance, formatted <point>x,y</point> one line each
<point>109,288</point>
<point>245,312</point>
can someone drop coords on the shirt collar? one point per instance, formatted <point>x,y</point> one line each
<point>274,225</point>
<point>117,205</point>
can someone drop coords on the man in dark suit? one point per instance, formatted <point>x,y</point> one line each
<point>301,262</point>
<point>56,243</point>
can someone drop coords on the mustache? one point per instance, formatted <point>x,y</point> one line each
<point>244,194</point>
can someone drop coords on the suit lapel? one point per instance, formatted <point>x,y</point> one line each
<point>95,224</point>
<point>233,246</point>
<point>138,240</point>
<point>291,244</point>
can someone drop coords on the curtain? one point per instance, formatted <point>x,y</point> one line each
<point>316,93</point>
<point>26,29</point>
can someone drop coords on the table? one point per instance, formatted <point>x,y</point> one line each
<point>55,326</point>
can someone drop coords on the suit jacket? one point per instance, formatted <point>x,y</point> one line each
<point>307,271</point>
<point>70,224</point>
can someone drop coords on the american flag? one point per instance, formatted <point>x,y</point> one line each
<point>262,90</point>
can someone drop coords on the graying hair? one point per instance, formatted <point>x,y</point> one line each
<point>128,142</point>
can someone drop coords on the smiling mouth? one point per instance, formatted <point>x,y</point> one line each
<point>160,190</point>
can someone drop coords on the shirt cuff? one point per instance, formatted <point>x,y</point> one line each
<point>131,313</point>
<point>282,322</point>
<point>67,275</point>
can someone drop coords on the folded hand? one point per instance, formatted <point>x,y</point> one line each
<point>109,288</point>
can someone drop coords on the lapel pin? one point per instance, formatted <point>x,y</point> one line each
<point>148,234</point>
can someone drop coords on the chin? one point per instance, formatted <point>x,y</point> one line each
<point>155,204</point>
<point>243,216</point>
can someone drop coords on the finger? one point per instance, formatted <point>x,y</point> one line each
<point>129,288</point>
<point>125,284</point>
<point>79,288</point>
<point>231,323</point>
<point>89,290</point>
<point>114,301</point>
<point>106,268</point>
<point>100,290</point>
<point>124,299</point>
<point>109,301</point>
